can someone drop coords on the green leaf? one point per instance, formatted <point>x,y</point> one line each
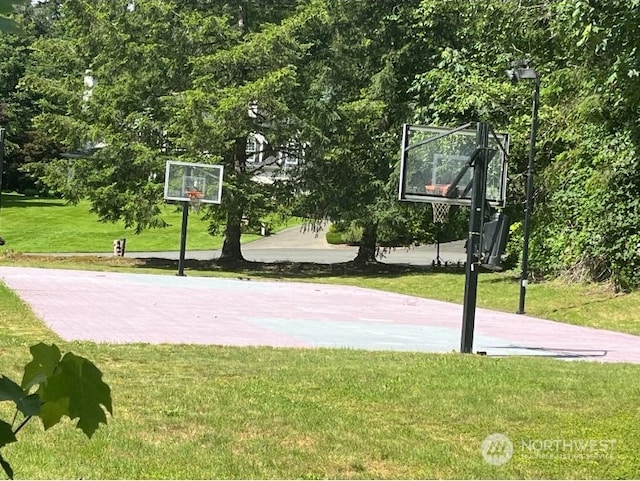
<point>52,411</point>
<point>29,405</point>
<point>45,360</point>
<point>9,26</point>
<point>7,467</point>
<point>9,390</point>
<point>76,389</point>
<point>6,434</point>
<point>90,392</point>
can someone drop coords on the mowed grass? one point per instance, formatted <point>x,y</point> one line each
<point>50,225</point>
<point>197,412</point>
<point>37,225</point>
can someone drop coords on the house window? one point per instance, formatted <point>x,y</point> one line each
<point>255,148</point>
<point>292,155</point>
<point>285,158</point>
<point>252,148</point>
<point>89,83</point>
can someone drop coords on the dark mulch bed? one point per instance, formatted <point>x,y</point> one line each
<point>263,269</point>
<point>301,269</point>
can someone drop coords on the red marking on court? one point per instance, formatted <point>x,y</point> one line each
<point>126,308</point>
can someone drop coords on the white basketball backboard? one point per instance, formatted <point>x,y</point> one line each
<point>435,165</point>
<point>185,180</point>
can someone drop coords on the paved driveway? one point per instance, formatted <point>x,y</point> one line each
<point>296,244</point>
<point>127,308</point>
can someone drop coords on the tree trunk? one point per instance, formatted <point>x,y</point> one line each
<point>367,249</point>
<point>231,250</point>
<point>231,247</point>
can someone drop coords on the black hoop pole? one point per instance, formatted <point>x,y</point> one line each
<point>183,237</point>
<point>475,237</point>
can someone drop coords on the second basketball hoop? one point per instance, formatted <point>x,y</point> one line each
<point>195,199</point>
<point>436,166</point>
<point>191,184</point>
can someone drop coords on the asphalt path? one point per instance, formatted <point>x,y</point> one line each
<point>299,245</point>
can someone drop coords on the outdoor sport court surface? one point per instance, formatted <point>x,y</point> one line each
<point>142,308</point>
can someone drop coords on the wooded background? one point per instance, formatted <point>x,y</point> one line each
<point>335,79</point>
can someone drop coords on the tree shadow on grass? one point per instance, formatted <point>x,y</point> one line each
<point>266,270</point>
<point>300,270</point>
<point>10,201</point>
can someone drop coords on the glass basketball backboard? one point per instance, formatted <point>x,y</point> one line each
<point>186,181</point>
<point>436,165</point>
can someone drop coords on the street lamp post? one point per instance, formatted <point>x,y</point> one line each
<point>521,71</point>
<point>2,132</point>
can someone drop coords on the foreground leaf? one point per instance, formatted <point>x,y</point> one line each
<point>6,434</point>
<point>9,390</point>
<point>6,437</point>
<point>6,467</point>
<point>29,405</point>
<point>76,389</point>
<point>89,393</point>
<point>52,411</point>
<point>45,360</point>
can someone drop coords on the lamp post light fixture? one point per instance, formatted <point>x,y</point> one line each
<point>520,70</point>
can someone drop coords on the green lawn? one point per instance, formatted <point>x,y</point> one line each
<point>196,412</point>
<point>206,412</point>
<point>36,225</point>
<point>50,225</point>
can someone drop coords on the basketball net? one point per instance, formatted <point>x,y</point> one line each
<point>440,209</point>
<point>195,199</point>
<point>440,212</point>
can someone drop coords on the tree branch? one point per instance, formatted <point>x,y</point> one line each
<point>22,424</point>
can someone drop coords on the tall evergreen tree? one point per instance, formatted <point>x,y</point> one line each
<point>24,145</point>
<point>130,84</point>
<point>240,89</point>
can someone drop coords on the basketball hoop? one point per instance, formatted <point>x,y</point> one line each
<point>440,209</point>
<point>195,197</point>
<point>440,212</point>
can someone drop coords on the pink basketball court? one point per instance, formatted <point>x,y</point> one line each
<point>126,308</point>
